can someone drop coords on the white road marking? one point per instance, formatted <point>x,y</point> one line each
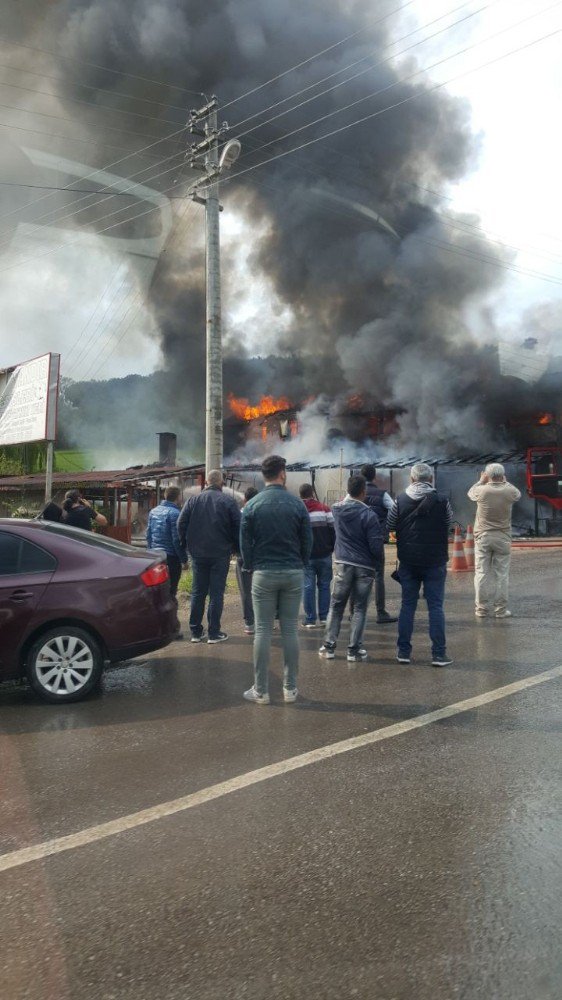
<point>14,859</point>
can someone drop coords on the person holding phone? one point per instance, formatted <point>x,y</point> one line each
<point>79,512</point>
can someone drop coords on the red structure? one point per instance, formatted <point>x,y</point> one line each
<point>544,475</point>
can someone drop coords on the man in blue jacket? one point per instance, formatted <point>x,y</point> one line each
<point>209,525</point>
<point>162,533</point>
<point>275,542</point>
<point>358,554</point>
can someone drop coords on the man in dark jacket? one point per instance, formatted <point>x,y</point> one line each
<point>358,551</point>
<point>275,542</point>
<point>318,573</point>
<point>209,526</point>
<point>381,502</point>
<point>421,518</point>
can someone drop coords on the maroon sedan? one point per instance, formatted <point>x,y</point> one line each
<point>71,600</point>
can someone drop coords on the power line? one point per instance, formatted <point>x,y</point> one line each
<point>357,62</point>
<point>112,128</point>
<point>316,55</point>
<point>113,277</point>
<point>67,138</point>
<point>189,206</point>
<point>392,107</point>
<point>90,86</point>
<point>54,187</point>
<point>455,223</point>
<point>404,80</point>
<point>107,167</point>
<point>90,104</point>
<point>105,69</point>
<point>318,139</point>
<point>342,212</point>
<point>87,347</point>
<point>74,214</point>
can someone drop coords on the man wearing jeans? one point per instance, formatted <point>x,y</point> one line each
<point>421,518</point>
<point>318,573</point>
<point>494,498</point>
<point>209,525</point>
<point>358,553</point>
<point>275,543</point>
<point>162,533</point>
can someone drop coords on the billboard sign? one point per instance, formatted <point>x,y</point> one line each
<point>28,400</point>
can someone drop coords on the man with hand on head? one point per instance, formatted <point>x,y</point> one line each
<point>275,543</point>
<point>494,498</point>
<point>209,526</point>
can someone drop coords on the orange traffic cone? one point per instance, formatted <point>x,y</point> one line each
<point>458,562</point>
<point>469,547</point>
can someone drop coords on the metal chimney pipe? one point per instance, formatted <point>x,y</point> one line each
<point>167,448</point>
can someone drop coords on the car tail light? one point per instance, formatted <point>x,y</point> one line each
<point>155,575</point>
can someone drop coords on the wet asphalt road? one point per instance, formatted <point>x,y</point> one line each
<point>425,866</point>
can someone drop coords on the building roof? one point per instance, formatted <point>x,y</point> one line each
<point>98,479</point>
<point>512,457</point>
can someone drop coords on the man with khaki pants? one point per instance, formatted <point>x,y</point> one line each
<point>494,498</point>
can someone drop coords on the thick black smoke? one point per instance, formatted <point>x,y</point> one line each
<point>377,312</point>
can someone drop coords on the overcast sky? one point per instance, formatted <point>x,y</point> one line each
<point>515,102</point>
<point>514,189</point>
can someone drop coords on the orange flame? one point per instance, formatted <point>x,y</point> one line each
<point>242,409</point>
<point>356,402</point>
<point>545,419</point>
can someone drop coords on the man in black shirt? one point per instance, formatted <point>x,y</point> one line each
<point>79,513</point>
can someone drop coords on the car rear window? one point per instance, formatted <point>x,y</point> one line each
<point>17,555</point>
<point>90,538</point>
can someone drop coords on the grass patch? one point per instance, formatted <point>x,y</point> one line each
<point>186,582</point>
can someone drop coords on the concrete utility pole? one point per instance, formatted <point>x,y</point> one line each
<point>212,166</point>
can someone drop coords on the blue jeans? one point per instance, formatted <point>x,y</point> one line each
<point>276,591</point>
<point>433,579</point>
<point>209,577</point>
<point>318,574</point>
<point>349,582</point>
<point>244,580</point>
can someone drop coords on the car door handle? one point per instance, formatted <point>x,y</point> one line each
<point>21,595</point>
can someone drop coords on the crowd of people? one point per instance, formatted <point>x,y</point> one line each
<point>293,551</point>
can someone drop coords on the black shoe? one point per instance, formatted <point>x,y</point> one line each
<point>383,618</point>
<point>198,638</point>
<point>441,661</point>
<point>403,658</point>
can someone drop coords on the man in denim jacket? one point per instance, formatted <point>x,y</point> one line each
<point>162,533</point>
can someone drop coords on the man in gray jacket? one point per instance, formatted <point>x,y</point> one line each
<point>275,542</point>
<point>494,498</point>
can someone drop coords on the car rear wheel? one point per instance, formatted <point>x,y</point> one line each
<point>64,664</point>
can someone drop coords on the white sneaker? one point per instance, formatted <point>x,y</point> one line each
<point>290,694</point>
<point>503,614</point>
<point>256,697</point>
<point>327,654</point>
<point>357,657</point>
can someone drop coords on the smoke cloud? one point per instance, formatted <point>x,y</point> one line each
<point>353,305</point>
